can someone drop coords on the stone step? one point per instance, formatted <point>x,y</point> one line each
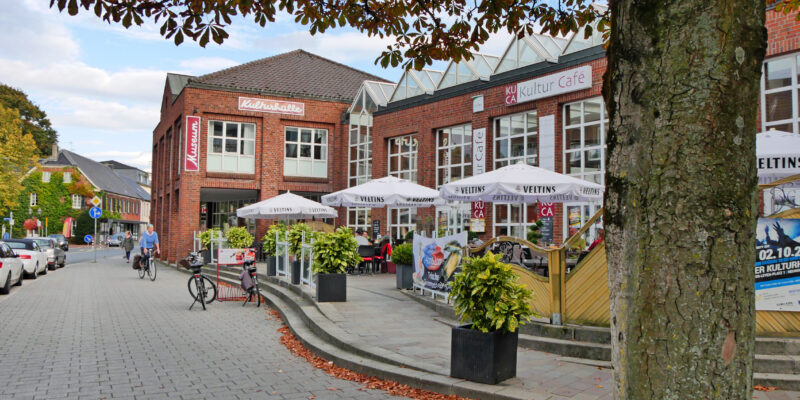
<point>777,364</point>
<point>780,381</point>
<point>569,348</point>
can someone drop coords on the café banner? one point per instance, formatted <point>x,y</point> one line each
<point>437,260</point>
<point>778,264</point>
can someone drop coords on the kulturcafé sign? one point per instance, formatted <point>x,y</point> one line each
<point>271,106</point>
<point>550,85</point>
<point>191,160</point>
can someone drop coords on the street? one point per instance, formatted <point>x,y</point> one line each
<point>96,331</point>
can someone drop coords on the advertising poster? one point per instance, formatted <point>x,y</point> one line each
<point>778,264</point>
<point>436,261</point>
<point>235,256</point>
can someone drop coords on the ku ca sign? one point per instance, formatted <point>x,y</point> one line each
<point>550,85</point>
<point>192,158</point>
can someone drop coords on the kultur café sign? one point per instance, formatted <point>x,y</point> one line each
<point>550,85</point>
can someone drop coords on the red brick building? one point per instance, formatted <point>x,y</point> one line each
<point>245,134</point>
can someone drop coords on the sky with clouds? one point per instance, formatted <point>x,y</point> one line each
<point>101,84</point>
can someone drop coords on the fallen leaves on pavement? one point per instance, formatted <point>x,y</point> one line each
<point>764,388</point>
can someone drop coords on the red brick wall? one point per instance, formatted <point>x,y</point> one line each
<point>783,33</point>
<point>425,119</point>
<point>179,218</point>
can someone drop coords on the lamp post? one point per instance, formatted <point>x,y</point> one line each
<point>39,212</point>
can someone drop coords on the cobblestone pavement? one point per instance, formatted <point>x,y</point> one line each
<point>96,331</point>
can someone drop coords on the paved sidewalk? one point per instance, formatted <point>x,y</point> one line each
<point>96,331</point>
<point>379,315</point>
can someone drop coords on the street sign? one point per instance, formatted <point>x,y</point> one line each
<point>96,201</point>
<point>95,212</point>
<point>87,238</point>
<point>6,236</point>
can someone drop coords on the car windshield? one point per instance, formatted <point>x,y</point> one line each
<point>43,242</point>
<point>16,245</point>
<point>59,237</point>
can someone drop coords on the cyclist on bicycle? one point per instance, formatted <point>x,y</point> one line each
<point>149,240</point>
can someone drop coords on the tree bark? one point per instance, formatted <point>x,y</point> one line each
<point>682,92</point>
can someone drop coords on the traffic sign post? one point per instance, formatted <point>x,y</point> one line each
<point>95,212</point>
<point>87,239</point>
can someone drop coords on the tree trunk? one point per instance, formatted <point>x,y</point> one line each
<point>682,92</point>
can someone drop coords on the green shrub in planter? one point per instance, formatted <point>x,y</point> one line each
<point>239,238</point>
<point>296,237</point>
<point>268,241</point>
<point>334,252</point>
<point>205,237</point>
<point>486,293</point>
<point>403,254</point>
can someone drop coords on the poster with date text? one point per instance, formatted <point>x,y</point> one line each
<point>778,264</point>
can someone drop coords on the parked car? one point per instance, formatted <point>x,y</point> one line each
<point>56,257</point>
<point>10,269</point>
<point>60,240</point>
<point>33,257</point>
<point>115,239</point>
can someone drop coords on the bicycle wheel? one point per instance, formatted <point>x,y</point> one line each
<point>151,270</point>
<point>256,291</point>
<point>142,267</point>
<point>201,290</point>
<point>210,290</point>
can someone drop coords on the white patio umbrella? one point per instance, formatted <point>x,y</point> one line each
<point>389,192</point>
<point>286,206</point>
<point>522,183</point>
<point>778,155</point>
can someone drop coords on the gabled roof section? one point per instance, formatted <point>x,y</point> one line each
<point>414,83</point>
<point>113,164</point>
<point>297,74</point>
<point>530,49</point>
<point>371,95</point>
<point>99,175</point>
<point>480,66</point>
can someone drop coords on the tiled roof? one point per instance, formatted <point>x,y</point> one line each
<point>101,176</point>
<point>297,73</point>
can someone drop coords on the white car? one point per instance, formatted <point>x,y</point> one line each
<point>33,257</point>
<point>10,269</point>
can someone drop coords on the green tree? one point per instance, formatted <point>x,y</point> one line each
<point>18,156</point>
<point>681,93</point>
<point>34,120</point>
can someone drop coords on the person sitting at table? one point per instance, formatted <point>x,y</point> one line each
<point>361,238</point>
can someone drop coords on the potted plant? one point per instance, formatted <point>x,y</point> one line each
<point>270,247</point>
<point>239,238</point>
<point>486,294</point>
<point>205,243</point>
<point>403,259</point>
<point>333,254</point>
<point>296,234</point>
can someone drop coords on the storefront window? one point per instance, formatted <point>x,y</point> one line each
<point>516,139</point>
<point>403,220</point>
<point>306,152</point>
<point>780,83</point>
<point>509,222</point>
<point>403,157</point>
<point>453,154</point>
<point>231,147</point>
<point>359,218</point>
<point>360,157</point>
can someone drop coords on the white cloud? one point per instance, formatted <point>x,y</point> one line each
<point>29,34</point>
<point>107,117</point>
<point>139,159</point>
<point>204,65</point>
<point>344,47</point>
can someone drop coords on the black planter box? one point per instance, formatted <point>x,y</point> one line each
<point>296,272</point>
<point>272,266</point>
<point>483,357</point>
<point>331,287</point>
<point>403,275</point>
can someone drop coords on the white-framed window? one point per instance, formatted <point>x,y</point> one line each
<point>77,201</point>
<point>516,139</point>
<point>46,176</point>
<point>403,157</point>
<point>231,147</point>
<point>453,154</point>
<point>306,152</point>
<point>360,156</point>
<point>453,219</point>
<point>34,200</point>
<point>585,124</point>
<point>507,220</point>
<point>402,220</point>
<point>359,218</point>
<point>67,177</point>
<point>780,94</point>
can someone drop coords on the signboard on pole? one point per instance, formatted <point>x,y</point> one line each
<point>95,212</point>
<point>191,160</point>
<point>233,256</point>
<point>778,264</point>
<point>87,239</point>
<point>376,228</point>
<point>96,201</point>
<point>477,222</point>
<point>437,260</point>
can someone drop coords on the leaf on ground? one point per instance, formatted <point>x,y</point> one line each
<point>598,386</point>
<point>763,388</point>
<point>332,388</point>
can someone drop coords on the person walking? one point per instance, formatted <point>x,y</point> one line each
<point>127,246</point>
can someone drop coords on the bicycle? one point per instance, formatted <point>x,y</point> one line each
<point>254,292</point>
<point>145,266</point>
<point>201,288</point>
